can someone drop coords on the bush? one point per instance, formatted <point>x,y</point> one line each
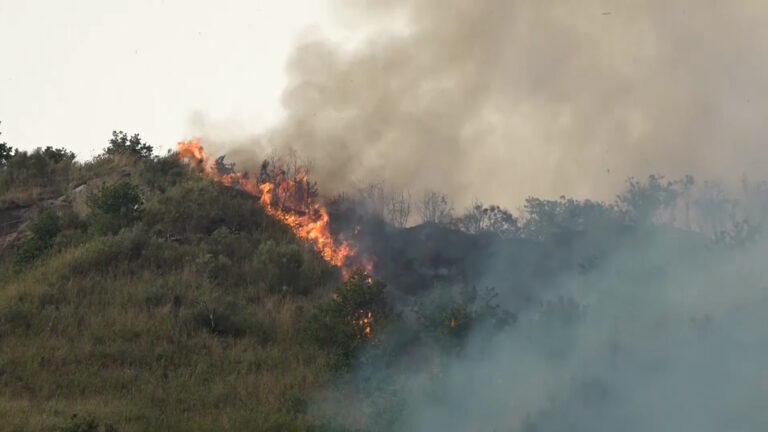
<point>200,207</point>
<point>448,317</point>
<point>288,268</point>
<point>41,235</point>
<point>226,317</point>
<point>353,316</point>
<point>115,207</point>
<point>44,172</point>
<point>86,424</point>
<point>121,144</point>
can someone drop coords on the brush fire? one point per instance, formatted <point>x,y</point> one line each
<point>290,199</point>
<point>287,199</point>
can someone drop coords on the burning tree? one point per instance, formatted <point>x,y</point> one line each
<point>285,193</point>
<point>352,317</point>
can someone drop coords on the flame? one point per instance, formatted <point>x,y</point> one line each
<point>285,199</point>
<point>364,322</point>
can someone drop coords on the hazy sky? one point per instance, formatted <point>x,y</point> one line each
<point>72,71</point>
<point>493,99</point>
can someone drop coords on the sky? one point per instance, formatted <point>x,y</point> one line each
<point>71,72</point>
<point>496,100</point>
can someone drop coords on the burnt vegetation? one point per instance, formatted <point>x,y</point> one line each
<point>178,304</point>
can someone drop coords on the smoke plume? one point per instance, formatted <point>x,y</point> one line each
<point>503,99</point>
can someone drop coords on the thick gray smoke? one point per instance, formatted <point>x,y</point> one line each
<point>664,332</point>
<point>502,99</point>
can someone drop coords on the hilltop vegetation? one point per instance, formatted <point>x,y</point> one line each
<point>140,296</point>
<point>137,295</point>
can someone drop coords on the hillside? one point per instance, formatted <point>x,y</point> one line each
<point>139,292</point>
<point>148,298</point>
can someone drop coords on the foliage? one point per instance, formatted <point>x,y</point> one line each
<point>86,424</point>
<point>40,237</point>
<point>115,207</point>
<point>122,144</point>
<point>228,318</point>
<point>487,219</point>
<point>339,324</point>
<point>57,155</point>
<point>451,316</point>
<point>642,201</point>
<point>176,301</point>
<point>42,173</point>
<point>6,152</point>
<point>551,219</point>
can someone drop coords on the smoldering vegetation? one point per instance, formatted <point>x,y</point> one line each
<point>644,313</point>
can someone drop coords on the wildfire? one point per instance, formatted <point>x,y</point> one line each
<point>286,199</point>
<point>364,322</point>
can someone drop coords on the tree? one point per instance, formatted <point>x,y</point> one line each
<point>122,144</point>
<point>57,155</point>
<point>434,207</point>
<point>354,316</point>
<point>115,207</point>
<point>399,208</point>
<point>6,152</point>
<point>492,219</point>
<point>643,201</point>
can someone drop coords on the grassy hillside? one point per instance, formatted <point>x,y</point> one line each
<point>138,296</point>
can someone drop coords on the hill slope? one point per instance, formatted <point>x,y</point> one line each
<point>150,299</point>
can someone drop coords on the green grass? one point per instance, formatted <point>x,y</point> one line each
<point>191,317</point>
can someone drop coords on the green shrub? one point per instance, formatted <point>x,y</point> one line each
<point>447,317</point>
<point>6,152</point>
<point>354,316</point>
<point>228,318</point>
<point>86,424</point>
<point>122,144</point>
<point>288,268</point>
<point>162,173</point>
<point>40,237</point>
<point>200,207</point>
<point>115,207</point>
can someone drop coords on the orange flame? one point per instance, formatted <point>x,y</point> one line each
<point>364,322</point>
<point>285,199</point>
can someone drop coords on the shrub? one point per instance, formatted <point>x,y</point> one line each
<point>58,155</point>
<point>448,317</point>
<point>42,233</point>
<point>86,424</point>
<point>122,144</point>
<point>115,207</point>
<point>354,315</point>
<point>288,267</point>
<point>226,317</point>
<point>200,206</point>
<point>47,170</point>
<point>162,173</point>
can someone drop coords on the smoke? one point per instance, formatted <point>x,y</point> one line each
<point>504,99</point>
<point>665,331</point>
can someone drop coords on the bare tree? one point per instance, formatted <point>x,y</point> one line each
<point>399,208</point>
<point>494,219</point>
<point>373,198</point>
<point>434,207</point>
